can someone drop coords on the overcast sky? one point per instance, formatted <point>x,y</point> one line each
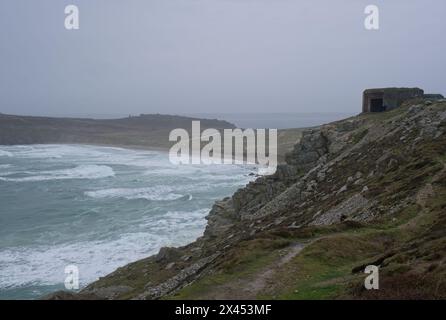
<point>214,56</point>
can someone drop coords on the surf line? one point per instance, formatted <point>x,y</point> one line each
<point>259,148</point>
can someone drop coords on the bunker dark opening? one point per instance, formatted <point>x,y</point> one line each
<point>377,105</point>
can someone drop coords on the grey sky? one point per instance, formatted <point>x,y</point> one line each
<point>189,56</point>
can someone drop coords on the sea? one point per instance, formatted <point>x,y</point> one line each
<point>97,208</point>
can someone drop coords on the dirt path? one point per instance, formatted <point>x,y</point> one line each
<point>249,288</point>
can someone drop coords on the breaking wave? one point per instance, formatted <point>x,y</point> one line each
<point>110,207</point>
<point>160,193</point>
<point>79,172</point>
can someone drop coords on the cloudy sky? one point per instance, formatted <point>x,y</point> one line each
<point>214,56</point>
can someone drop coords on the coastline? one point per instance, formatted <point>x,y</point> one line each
<point>334,200</point>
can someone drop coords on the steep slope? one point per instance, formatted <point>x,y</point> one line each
<point>366,190</point>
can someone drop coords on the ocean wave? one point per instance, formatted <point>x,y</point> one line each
<point>44,265</point>
<point>105,155</point>
<point>51,151</point>
<point>171,220</point>
<point>79,172</point>
<point>160,193</point>
<point>107,234</point>
<point>4,153</point>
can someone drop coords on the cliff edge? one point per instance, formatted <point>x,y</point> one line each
<point>370,189</point>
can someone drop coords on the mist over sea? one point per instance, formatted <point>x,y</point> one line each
<point>98,208</point>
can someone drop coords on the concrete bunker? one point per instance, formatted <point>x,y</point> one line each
<point>384,99</point>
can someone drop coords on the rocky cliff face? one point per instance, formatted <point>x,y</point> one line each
<point>366,190</point>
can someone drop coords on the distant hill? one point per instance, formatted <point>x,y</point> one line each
<point>148,131</point>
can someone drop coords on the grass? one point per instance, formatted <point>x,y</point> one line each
<point>359,135</point>
<point>322,268</point>
<point>246,259</point>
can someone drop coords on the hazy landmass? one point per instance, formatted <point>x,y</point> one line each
<point>149,131</point>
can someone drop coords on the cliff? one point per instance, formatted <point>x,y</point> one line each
<point>370,189</point>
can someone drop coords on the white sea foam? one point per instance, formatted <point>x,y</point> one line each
<point>44,265</point>
<point>172,219</point>
<point>51,151</point>
<point>163,193</point>
<point>4,153</point>
<point>39,238</point>
<point>79,172</point>
<point>105,155</point>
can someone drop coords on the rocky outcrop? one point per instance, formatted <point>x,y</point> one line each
<point>183,277</point>
<point>248,203</point>
<point>354,208</point>
<point>313,145</point>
